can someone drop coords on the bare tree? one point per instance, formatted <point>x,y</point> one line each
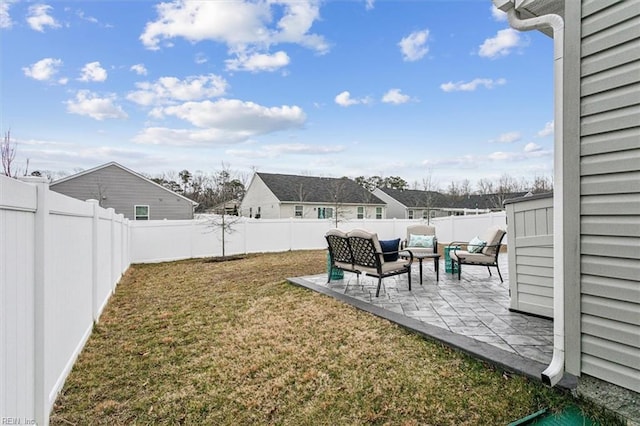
<point>8,152</point>
<point>337,193</point>
<point>430,186</point>
<point>541,184</point>
<point>485,187</point>
<point>227,190</point>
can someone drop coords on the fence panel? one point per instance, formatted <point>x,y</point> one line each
<point>59,260</point>
<point>164,240</point>
<point>17,305</point>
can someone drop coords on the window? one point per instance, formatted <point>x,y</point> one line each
<point>141,212</point>
<point>250,211</point>
<point>410,214</point>
<point>425,214</point>
<point>325,212</point>
<point>297,211</point>
<point>360,212</point>
<point>378,212</point>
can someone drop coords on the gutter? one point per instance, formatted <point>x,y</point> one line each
<point>554,372</point>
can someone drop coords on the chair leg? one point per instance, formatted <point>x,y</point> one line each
<point>409,278</point>
<point>379,284</point>
<point>459,268</point>
<point>499,274</point>
<point>489,269</point>
<point>329,275</point>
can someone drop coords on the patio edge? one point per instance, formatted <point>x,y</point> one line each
<point>502,359</point>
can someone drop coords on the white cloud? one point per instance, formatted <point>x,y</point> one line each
<point>369,4</point>
<point>472,85</point>
<point>500,45</point>
<point>508,137</point>
<point>227,121</point>
<point>93,72</point>
<point>394,96</point>
<point>532,147</point>
<point>530,151</point>
<point>547,131</point>
<point>258,62</point>
<point>238,24</point>
<point>187,137</point>
<point>5,17</point>
<point>170,89</point>
<point>274,151</point>
<point>44,70</point>
<point>139,69</point>
<point>84,17</point>
<point>498,15</point>
<point>201,58</point>
<point>39,18</point>
<point>91,105</point>
<point>236,115</point>
<point>414,46</point>
<point>344,99</point>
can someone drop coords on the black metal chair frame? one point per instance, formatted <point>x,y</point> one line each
<point>459,260</point>
<point>361,252</point>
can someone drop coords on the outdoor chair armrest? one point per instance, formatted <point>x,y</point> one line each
<point>400,253</point>
<point>456,244</point>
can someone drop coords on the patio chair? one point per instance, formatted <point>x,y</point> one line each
<point>339,253</point>
<point>480,251</point>
<point>369,258</point>
<point>421,239</point>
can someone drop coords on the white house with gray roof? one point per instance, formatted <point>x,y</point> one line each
<point>279,196</point>
<point>127,192</point>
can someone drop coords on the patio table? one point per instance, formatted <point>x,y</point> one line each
<point>422,256</point>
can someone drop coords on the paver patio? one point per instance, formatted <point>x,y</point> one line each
<point>471,314</point>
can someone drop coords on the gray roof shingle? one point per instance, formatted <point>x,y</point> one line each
<point>311,189</point>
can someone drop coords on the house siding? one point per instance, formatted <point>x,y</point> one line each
<point>610,192</point>
<point>530,241</point>
<point>121,190</point>
<point>258,195</point>
<point>395,209</point>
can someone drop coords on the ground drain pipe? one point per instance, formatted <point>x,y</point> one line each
<point>554,372</point>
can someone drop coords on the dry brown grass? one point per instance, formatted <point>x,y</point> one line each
<point>231,343</point>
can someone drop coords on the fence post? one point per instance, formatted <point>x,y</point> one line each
<point>94,259</point>
<point>41,267</point>
<point>112,244</point>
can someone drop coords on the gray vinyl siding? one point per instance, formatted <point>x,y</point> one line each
<point>121,190</point>
<point>530,241</point>
<point>610,192</point>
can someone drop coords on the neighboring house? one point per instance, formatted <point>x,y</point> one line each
<point>275,196</point>
<point>596,201</point>
<point>411,203</point>
<point>127,192</point>
<point>416,204</point>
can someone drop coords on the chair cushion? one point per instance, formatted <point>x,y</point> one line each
<point>492,236</point>
<point>476,245</point>
<point>390,249</point>
<point>467,257</point>
<point>420,229</point>
<point>387,267</point>
<point>423,241</point>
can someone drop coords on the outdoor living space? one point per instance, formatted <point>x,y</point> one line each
<point>471,313</point>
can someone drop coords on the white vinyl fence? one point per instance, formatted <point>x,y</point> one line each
<point>60,260</point>
<point>167,240</point>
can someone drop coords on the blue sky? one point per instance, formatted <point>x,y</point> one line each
<point>325,88</point>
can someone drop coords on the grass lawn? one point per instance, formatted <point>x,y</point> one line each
<point>232,343</point>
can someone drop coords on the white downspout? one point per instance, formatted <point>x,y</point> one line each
<point>554,372</point>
